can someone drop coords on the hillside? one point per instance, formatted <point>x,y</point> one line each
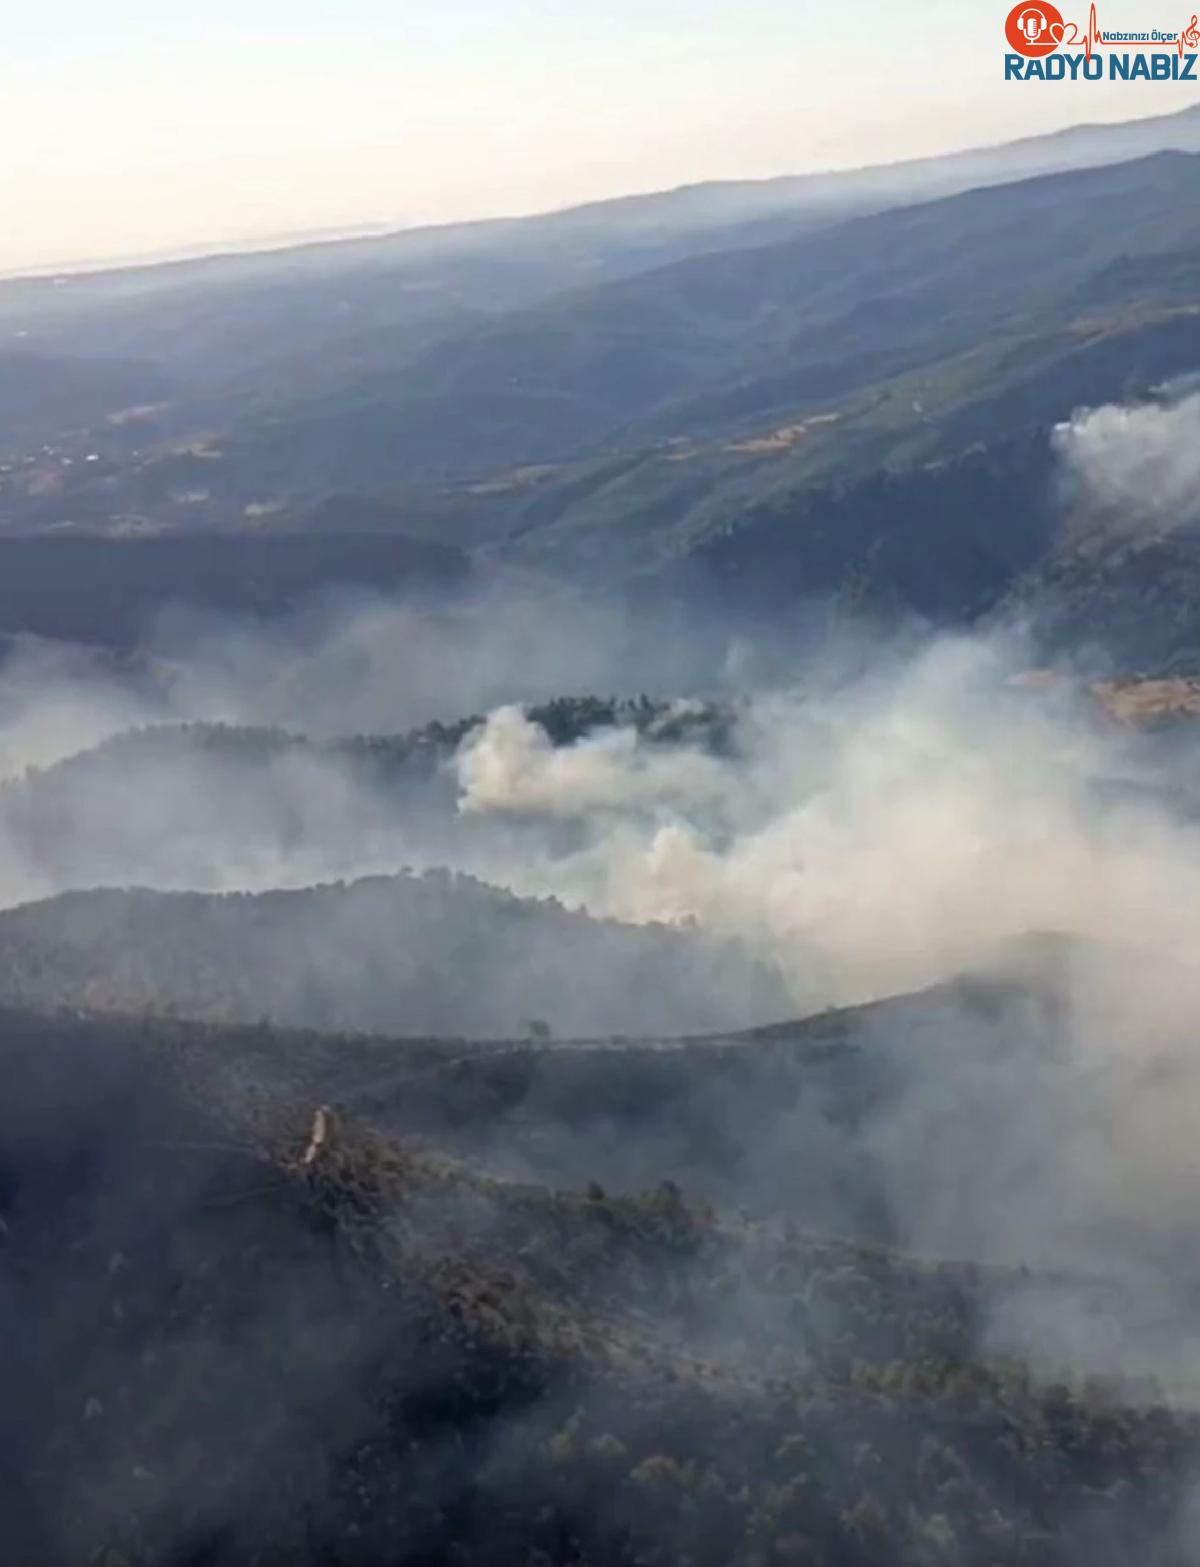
<point>817,416</point>
<point>208,805</point>
<point>423,1362</point>
<point>742,343</point>
<point>110,591</point>
<point>386,292</point>
<point>431,954</point>
<point>748,1120</point>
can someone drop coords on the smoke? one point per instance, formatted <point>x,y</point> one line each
<point>894,819</point>
<point>887,817</point>
<point>875,835</point>
<point>1138,465</point>
<point>294,815</point>
<point>347,664</point>
<point>890,821</point>
<point>868,837</point>
<point>512,766</point>
<point>57,699</point>
<point>354,663</point>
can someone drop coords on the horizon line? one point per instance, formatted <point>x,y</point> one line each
<point>311,238</point>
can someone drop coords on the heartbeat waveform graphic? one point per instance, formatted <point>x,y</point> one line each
<point>1068,35</point>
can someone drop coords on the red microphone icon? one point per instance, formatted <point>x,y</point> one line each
<point>1034,28</point>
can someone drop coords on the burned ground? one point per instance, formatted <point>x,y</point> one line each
<point>246,1325</point>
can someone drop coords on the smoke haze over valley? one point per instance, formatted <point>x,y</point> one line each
<point>599,847</point>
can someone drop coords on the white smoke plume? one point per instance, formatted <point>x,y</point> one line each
<point>889,820</point>
<point>897,816</point>
<point>870,838</point>
<point>1138,464</point>
<point>512,766</point>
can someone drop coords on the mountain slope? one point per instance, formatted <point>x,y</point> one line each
<point>86,589</point>
<point>815,416</point>
<point>378,333</point>
<point>239,1324</point>
<point>404,954</point>
<point>731,341</point>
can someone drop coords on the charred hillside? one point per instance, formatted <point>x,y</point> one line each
<point>409,954</point>
<point>240,1328</point>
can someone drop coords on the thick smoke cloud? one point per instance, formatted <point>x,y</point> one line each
<point>887,817</point>
<point>347,664</point>
<point>1137,464</point>
<point>888,821</point>
<point>871,836</point>
<point>57,700</point>
<point>512,767</point>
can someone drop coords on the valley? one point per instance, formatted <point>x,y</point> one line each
<point>598,850</point>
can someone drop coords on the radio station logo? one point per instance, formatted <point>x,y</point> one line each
<point>1045,46</point>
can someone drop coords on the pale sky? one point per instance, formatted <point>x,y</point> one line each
<point>136,126</point>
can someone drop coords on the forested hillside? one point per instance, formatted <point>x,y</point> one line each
<point>873,389</point>
<point>598,865</point>
<point>421,1359</point>
<point>434,954</point>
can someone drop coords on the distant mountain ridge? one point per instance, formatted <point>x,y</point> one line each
<point>599,397</point>
<point>713,205</point>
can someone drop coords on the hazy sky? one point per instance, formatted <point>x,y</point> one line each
<point>131,126</point>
